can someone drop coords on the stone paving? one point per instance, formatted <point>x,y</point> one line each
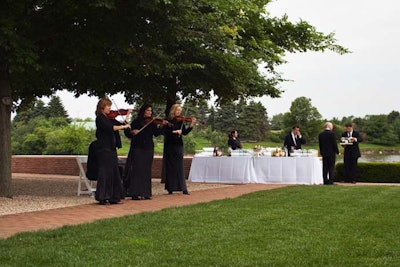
<point>54,218</point>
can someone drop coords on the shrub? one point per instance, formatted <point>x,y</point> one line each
<point>189,144</point>
<point>373,172</point>
<point>70,140</point>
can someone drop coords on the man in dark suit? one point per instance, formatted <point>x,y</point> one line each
<point>328,149</point>
<point>294,140</point>
<point>351,139</point>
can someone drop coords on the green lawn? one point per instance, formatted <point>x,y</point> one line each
<point>292,226</point>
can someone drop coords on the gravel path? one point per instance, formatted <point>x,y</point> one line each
<point>34,192</point>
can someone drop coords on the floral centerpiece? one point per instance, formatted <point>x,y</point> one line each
<point>278,153</point>
<point>257,148</point>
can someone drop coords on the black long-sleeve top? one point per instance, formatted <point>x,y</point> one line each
<point>144,139</point>
<point>172,138</point>
<point>104,132</point>
<point>234,143</point>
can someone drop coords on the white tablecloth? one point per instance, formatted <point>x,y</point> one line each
<point>221,169</point>
<point>282,170</point>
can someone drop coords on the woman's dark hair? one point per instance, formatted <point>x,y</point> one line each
<point>142,110</point>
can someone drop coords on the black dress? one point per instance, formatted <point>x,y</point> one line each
<point>140,159</point>
<point>109,187</point>
<point>173,157</point>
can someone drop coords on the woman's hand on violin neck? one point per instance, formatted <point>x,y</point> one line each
<point>193,122</point>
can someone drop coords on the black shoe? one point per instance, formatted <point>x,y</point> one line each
<point>135,198</point>
<point>169,192</point>
<point>147,198</point>
<point>104,202</point>
<point>185,192</point>
<point>353,182</point>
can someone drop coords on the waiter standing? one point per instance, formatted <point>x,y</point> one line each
<point>351,153</point>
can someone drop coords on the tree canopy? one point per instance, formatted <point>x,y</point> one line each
<point>150,49</point>
<point>146,49</point>
<point>306,116</point>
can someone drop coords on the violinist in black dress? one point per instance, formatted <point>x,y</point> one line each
<point>173,150</point>
<point>109,186</point>
<point>140,159</point>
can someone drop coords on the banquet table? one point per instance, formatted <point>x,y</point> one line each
<point>249,169</point>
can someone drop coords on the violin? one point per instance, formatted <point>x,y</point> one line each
<point>184,119</point>
<point>155,121</point>
<point>115,113</point>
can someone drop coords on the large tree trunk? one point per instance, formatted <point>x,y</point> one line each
<point>5,133</point>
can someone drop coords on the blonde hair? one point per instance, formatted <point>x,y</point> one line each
<point>103,102</point>
<point>329,125</point>
<point>172,111</point>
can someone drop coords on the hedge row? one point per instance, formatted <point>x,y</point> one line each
<point>372,172</point>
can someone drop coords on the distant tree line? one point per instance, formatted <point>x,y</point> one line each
<point>376,129</point>
<point>47,129</point>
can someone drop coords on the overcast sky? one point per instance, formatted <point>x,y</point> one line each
<point>364,82</point>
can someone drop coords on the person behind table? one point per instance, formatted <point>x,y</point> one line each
<point>141,153</point>
<point>109,186</point>
<point>173,150</point>
<point>233,141</point>
<point>328,150</point>
<point>351,153</point>
<point>293,140</point>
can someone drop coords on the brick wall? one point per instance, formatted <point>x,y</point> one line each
<point>66,165</point>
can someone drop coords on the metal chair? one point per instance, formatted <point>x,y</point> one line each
<point>90,187</point>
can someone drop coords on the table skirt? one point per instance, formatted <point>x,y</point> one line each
<point>246,169</point>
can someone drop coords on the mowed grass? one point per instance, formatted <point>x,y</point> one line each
<point>292,226</point>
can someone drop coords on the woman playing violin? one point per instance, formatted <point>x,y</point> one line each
<point>108,189</point>
<point>141,153</point>
<point>173,150</point>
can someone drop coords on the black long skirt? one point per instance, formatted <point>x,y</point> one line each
<point>109,186</point>
<point>138,172</point>
<point>174,172</point>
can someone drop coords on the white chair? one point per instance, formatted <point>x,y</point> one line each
<point>90,187</point>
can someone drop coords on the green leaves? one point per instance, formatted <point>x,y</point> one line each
<point>140,47</point>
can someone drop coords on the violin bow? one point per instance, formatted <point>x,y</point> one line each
<point>183,121</point>
<point>125,122</point>
<point>147,124</point>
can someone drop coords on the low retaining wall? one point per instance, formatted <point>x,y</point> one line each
<point>66,165</point>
